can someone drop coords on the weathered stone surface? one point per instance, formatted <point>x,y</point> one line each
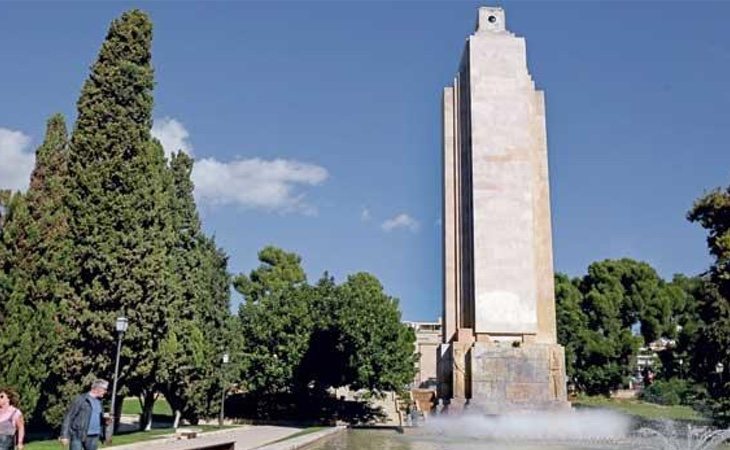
<point>507,378</point>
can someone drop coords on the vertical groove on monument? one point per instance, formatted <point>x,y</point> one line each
<point>456,170</point>
<point>499,350</point>
<point>466,234</point>
<point>449,219</point>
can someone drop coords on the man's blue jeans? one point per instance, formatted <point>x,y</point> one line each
<point>90,443</point>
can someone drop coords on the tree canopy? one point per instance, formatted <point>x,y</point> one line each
<point>711,352</point>
<point>605,316</point>
<point>299,337</point>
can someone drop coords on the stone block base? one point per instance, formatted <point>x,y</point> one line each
<point>509,378</point>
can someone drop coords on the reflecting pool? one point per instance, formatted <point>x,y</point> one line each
<point>391,440</point>
<point>576,430</point>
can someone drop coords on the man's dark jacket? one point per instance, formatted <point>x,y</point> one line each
<point>76,422</point>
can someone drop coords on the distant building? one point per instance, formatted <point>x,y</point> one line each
<point>428,338</point>
<point>647,357</point>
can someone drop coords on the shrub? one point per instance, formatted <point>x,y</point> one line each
<point>674,391</point>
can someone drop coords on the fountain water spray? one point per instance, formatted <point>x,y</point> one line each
<point>669,437</point>
<point>584,425</point>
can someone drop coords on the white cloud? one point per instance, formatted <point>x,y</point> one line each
<point>402,220</point>
<point>249,183</point>
<point>365,214</point>
<point>255,183</point>
<point>16,162</point>
<point>172,135</point>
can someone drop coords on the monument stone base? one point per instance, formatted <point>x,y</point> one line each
<point>508,377</point>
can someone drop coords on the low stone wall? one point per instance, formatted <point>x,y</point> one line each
<point>239,438</point>
<point>625,394</point>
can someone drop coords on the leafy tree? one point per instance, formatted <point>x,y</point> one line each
<point>279,270</point>
<point>712,212</point>
<point>358,340</point>
<point>631,293</point>
<point>376,346</point>
<point>677,359</point>
<point>596,315</point>
<point>304,339</point>
<point>616,297</point>
<point>712,347</point>
<point>275,320</point>
<point>119,206</point>
<point>571,321</point>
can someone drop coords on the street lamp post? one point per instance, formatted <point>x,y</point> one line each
<point>681,367</point>
<point>121,326</point>
<point>719,369</point>
<point>224,361</point>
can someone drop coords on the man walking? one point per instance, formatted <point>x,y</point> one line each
<point>83,424</point>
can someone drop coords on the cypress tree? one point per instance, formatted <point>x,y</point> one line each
<point>5,201</point>
<point>191,353</point>
<point>120,217</point>
<point>37,253</point>
<point>213,315</point>
<point>13,241</point>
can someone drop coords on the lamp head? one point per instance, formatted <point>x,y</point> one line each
<point>122,324</point>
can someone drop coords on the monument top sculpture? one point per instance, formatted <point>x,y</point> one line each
<point>491,19</point>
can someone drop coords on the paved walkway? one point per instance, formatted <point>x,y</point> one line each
<point>245,438</point>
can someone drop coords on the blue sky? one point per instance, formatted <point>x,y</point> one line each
<point>316,126</point>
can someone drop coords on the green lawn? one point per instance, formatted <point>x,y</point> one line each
<point>120,439</point>
<point>131,406</point>
<point>642,409</point>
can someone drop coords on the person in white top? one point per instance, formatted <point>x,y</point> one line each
<point>12,427</point>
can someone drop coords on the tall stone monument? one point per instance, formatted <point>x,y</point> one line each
<point>499,350</point>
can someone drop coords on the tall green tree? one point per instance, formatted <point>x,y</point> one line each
<point>5,195</point>
<point>279,271</point>
<point>276,320</point>
<point>15,216</point>
<point>198,325</point>
<point>119,202</point>
<point>215,319</point>
<point>6,199</point>
<point>376,347</point>
<point>630,293</point>
<point>712,347</point>
<point>38,251</point>
<point>615,297</point>
<point>304,339</point>
<point>597,316</point>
